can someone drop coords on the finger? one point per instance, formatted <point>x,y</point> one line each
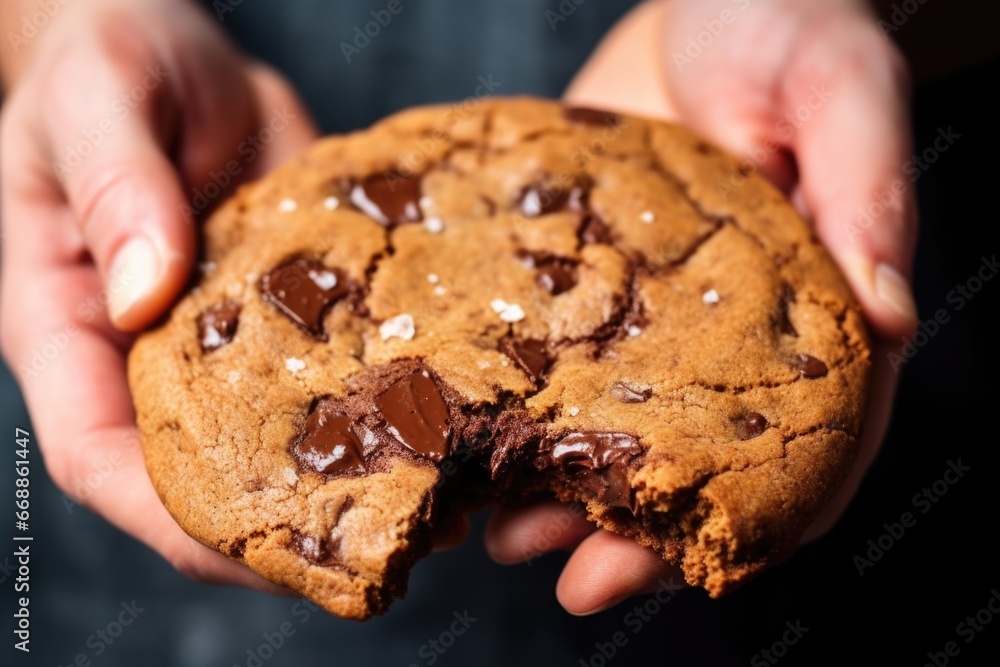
<point>883,391</point>
<point>56,340</point>
<point>83,418</point>
<point>104,140</point>
<point>239,133</point>
<point>518,534</point>
<point>851,155</point>
<point>610,79</point>
<point>607,569</point>
<point>280,111</point>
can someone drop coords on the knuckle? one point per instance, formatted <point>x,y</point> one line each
<point>98,193</point>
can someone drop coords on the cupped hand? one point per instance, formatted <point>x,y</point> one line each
<point>127,122</point>
<point>813,96</point>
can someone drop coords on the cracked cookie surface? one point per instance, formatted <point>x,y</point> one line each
<point>460,306</point>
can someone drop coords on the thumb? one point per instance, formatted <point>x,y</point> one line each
<point>125,196</point>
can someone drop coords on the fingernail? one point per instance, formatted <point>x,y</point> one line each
<point>134,272</point>
<point>893,289</point>
<point>613,602</point>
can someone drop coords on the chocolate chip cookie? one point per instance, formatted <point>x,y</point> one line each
<point>461,306</point>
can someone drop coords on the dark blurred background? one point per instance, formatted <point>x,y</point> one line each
<point>908,603</point>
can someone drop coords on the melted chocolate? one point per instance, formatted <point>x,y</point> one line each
<point>303,289</point>
<point>599,463</point>
<point>217,325</point>
<point>389,199</point>
<point>416,415</point>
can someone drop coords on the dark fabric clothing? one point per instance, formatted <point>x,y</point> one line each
<point>355,62</point>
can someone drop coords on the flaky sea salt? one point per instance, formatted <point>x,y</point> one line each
<point>648,217</point>
<point>400,326</point>
<point>331,203</point>
<point>634,331</point>
<point>325,280</point>
<point>434,225</point>
<point>294,365</point>
<point>574,411</point>
<point>710,297</point>
<point>512,313</point>
<point>288,205</point>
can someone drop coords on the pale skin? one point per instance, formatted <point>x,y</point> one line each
<point>113,230</point>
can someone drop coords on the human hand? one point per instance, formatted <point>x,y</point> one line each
<point>812,95</point>
<point>116,132</point>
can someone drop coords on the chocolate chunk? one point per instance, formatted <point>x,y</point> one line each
<point>598,117</point>
<point>599,463</point>
<point>556,276</point>
<point>624,392</point>
<point>328,444</point>
<point>594,230</point>
<point>389,199</point>
<point>303,289</point>
<point>784,323</point>
<point>217,325</point>
<point>317,551</point>
<point>417,415</point>
<point>541,199</point>
<point>750,425</point>
<point>530,355</point>
<point>809,366</point>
